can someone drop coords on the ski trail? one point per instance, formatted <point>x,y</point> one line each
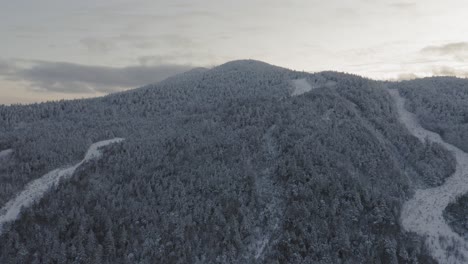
<point>422,214</point>
<point>304,85</point>
<point>5,153</point>
<point>37,188</point>
<point>270,199</point>
<point>301,86</point>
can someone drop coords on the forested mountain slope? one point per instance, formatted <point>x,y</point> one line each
<point>220,166</point>
<point>441,104</point>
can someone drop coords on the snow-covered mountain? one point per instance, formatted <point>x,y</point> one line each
<point>242,163</point>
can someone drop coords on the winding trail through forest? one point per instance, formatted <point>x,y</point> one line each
<point>37,188</point>
<point>423,213</point>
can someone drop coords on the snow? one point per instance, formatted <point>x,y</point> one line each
<point>5,153</point>
<point>423,213</point>
<point>301,86</point>
<point>37,188</point>
<point>260,246</point>
<point>94,152</point>
<point>269,196</point>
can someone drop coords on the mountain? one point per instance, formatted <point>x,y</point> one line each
<point>230,165</point>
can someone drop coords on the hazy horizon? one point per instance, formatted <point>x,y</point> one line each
<point>64,49</point>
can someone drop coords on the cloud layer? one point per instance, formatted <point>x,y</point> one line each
<point>457,50</point>
<point>77,78</point>
<point>449,71</point>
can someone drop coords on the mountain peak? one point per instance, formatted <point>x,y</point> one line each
<point>249,65</point>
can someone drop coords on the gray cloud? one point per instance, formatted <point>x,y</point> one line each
<point>5,68</point>
<point>458,50</point>
<point>76,78</point>
<point>407,76</point>
<point>97,45</point>
<point>141,42</point>
<point>435,71</point>
<point>172,41</point>
<point>448,71</point>
<point>177,58</point>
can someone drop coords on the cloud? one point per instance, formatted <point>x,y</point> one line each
<point>4,68</point>
<point>403,5</point>
<point>97,45</point>
<point>434,70</point>
<point>77,78</point>
<point>204,58</point>
<point>448,71</point>
<point>457,50</point>
<point>407,76</point>
<point>122,43</point>
<point>347,12</point>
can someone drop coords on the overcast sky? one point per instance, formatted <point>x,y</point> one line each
<point>53,49</point>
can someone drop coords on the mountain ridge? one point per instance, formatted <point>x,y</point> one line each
<point>246,65</point>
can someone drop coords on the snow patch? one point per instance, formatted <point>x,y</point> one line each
<point>422,214</point>
<point>269,196</point>
<point>37,188</point>
<point>5,153</point>
<point>301,86</point>
<point>260,246</point>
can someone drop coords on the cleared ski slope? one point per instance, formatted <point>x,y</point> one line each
<point>423,213</point>
<point>301,86</point>
<point>37,188</point>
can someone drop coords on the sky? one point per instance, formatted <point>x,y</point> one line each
<point>62,49</point>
